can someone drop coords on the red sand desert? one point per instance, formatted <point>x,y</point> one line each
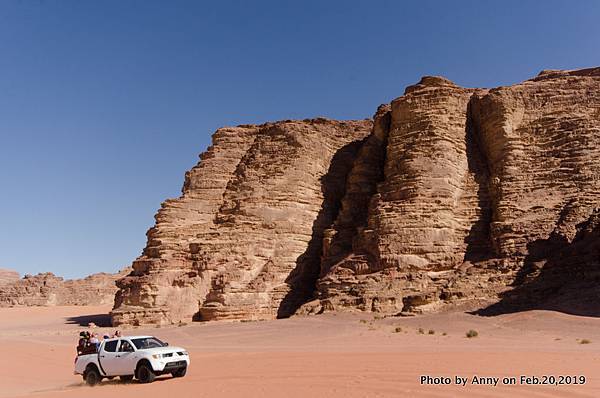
<point>343,355</point>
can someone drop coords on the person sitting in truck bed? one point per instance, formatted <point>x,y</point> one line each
<point>83,341</point>
<point>95,341</point>
<point>85,346</point>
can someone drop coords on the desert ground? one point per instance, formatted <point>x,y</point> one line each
<point>331,355</point>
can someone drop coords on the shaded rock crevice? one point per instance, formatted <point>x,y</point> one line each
<point>302,280</point>
<point>343,237</point>
<point>558,274</point>
<point>479,244</point>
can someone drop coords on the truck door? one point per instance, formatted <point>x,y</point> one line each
<point>127,358</point>
<point>108,357</point>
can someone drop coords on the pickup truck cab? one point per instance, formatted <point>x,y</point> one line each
<point>142,357</point>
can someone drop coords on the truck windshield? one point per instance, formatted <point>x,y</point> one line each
<point>147,342</point>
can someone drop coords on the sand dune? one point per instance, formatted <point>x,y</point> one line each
<point>329,356</point>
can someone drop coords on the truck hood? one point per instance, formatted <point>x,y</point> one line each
<point>163,350</point>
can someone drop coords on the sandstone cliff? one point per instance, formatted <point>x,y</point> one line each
<point>449,196</point>
<point>247,229</point>
<point>47,289</point>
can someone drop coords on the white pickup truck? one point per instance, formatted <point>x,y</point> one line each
<point>142,357</point>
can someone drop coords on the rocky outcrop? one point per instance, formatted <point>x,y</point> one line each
<point>8,276</point>
<point>244,239</point>
<point>429,212</point>
<point>164,286</point>
<point>450,196</point>
<point>46,289</point>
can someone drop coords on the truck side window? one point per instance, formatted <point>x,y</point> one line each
<point>111,346</point>
<point>125,346</point>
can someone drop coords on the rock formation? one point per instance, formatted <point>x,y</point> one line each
<point>46,289</point>
<point>449,196</point>
<point>8,276</point>
<point>251,215</point>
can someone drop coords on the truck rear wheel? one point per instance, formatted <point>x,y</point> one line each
<point>145,373</point>
<point>92,376</point>
<point>180,372</point>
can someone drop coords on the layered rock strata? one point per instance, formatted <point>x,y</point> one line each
<point>246,232</point>
<point>450,196</point>
<point>47,289</point>
<point>429,213</point>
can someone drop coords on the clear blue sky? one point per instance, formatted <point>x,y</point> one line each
<point>105,104</point>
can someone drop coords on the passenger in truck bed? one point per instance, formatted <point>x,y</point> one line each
<point>85,346</point>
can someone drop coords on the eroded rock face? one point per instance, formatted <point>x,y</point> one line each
<point>450,196</point>
<point>247,231</point>
<point>47,289</point>
<point>164,286</point>
<point>541,139</point>
<point>429,214</point>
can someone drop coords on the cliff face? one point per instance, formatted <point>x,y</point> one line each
<point>429,212</point>
<point>243,241</point>
<point>47,290</point>
<point>449,196</point>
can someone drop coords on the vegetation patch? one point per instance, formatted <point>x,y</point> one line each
<point>472,333</point>
<point>585,341</point>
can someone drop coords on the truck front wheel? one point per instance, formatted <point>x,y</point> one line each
<point>180,372</point>
<point>145,374</point>
<point>92,376</point>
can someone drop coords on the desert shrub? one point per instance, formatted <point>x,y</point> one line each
<point>472,333</point>
<point>585,341</point>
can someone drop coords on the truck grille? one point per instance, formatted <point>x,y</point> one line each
<point>176,364</point>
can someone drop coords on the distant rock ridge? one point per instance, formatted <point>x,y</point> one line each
<point>449,197</point>
<point>8,276</point>
<point>47,289</point>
